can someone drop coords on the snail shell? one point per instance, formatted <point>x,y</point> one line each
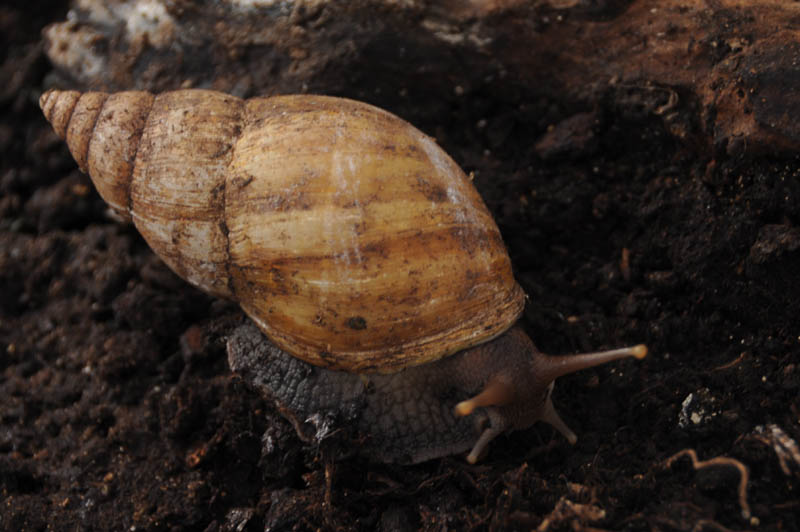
<point>348,236</point>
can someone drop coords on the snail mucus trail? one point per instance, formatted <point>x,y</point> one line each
<point>380,290</point>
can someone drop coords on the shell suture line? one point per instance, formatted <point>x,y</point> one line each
<point>134,155</point>
<point>85,156</point>
<point>224,227</point>
<point>71,112</point>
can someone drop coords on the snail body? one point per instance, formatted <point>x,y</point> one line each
<point>350,239</point>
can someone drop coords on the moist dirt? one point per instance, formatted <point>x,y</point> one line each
<point>118,411</point>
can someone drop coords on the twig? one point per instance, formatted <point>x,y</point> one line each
<point>744,474</point>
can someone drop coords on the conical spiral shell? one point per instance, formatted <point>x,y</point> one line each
<point>347,235</point>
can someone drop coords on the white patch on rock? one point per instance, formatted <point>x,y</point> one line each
<point>698,409</point>
<point>71,47</point>
<point>143,19</point>
<point>254,4</point>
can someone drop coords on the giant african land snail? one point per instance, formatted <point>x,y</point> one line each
<point>351,240</point>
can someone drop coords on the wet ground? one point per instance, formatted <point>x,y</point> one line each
<point>118,411</point>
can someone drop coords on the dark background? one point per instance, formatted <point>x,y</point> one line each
<point>624,225</point>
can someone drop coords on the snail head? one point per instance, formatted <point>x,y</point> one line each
<point>519,393</point>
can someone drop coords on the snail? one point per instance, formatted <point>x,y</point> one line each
<point>381,291</point>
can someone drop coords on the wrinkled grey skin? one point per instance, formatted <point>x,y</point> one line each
<point>405,417</point>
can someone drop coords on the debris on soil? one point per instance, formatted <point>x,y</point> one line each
<point>641,163</point>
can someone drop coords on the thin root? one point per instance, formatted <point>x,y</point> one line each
<point>744,474</point>
<point>566,511</point>
<point>733,363</point>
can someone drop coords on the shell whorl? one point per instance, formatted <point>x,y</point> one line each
<point>115,123</point>
<point>350,238</point>
<point>176,197</point>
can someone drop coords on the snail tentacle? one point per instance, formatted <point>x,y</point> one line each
<point>497,392</point>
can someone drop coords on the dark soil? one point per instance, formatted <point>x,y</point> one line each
<point>118,411</point>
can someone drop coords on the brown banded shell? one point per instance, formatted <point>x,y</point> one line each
<point>346,234</point>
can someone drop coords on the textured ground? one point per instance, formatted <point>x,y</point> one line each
<point>117,410</point>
